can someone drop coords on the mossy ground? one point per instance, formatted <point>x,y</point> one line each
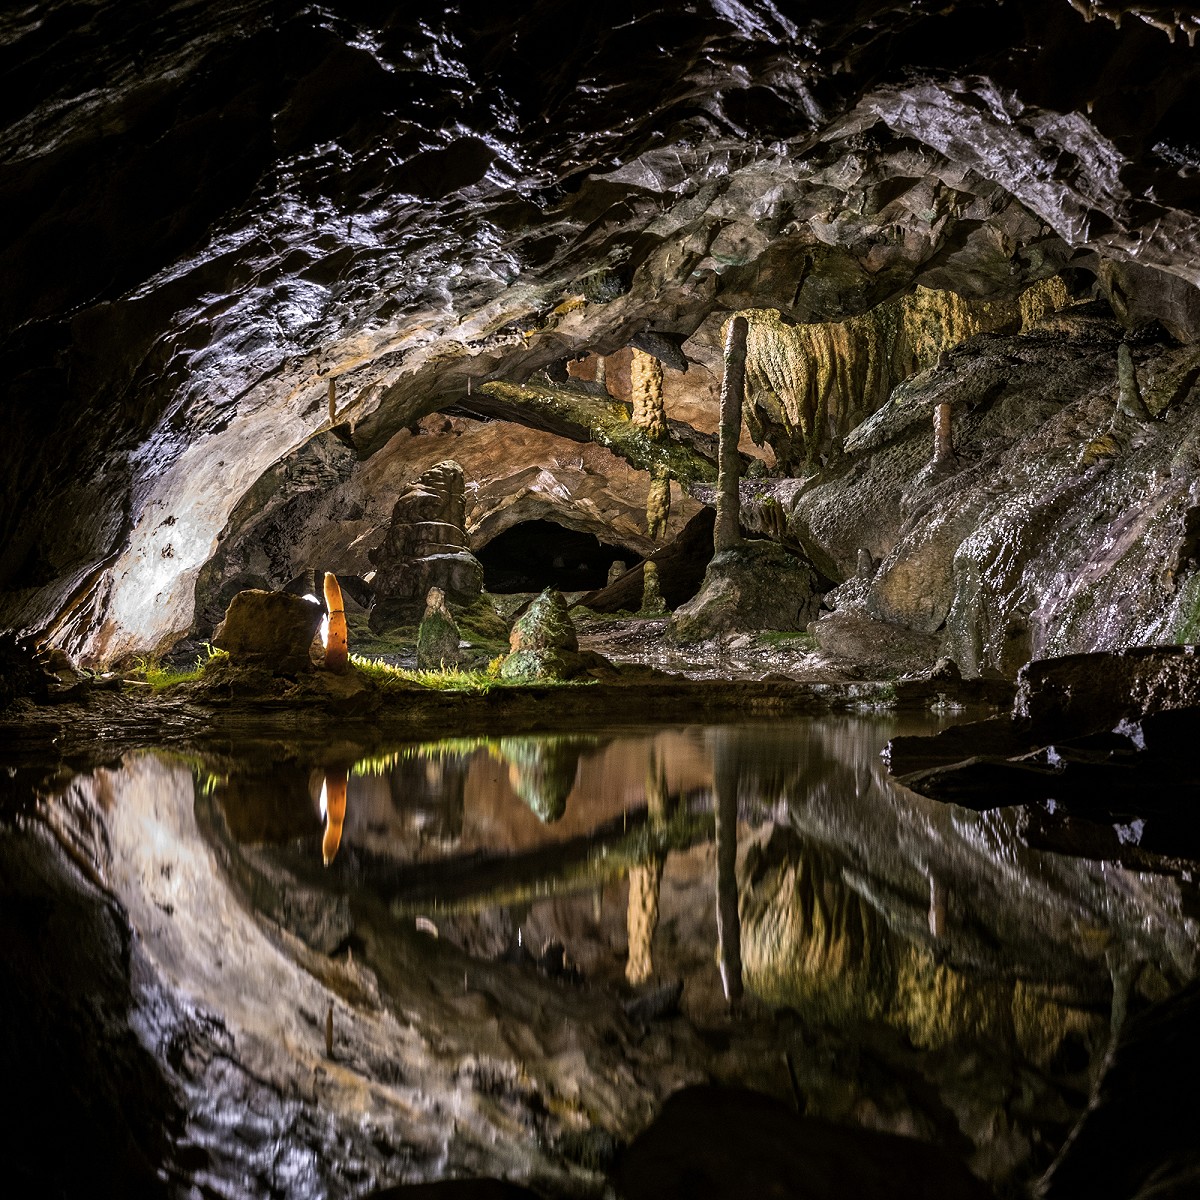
<point>161,678</point>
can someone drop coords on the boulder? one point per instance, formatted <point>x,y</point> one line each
<point>756,585</point>
<point>543,643</point>
<point>425,546</point>
<point>271,629</point>
<point>1081,693</point>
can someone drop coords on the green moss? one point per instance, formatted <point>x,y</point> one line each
<point>609,425</point>
<point>788,639</point>
<point>389,678</point>
<point>162,678</point>
<point>1188,630</point>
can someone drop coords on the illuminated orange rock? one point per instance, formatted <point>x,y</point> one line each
<point>337,649</point>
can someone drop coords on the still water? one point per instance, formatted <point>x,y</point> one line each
<point>488,955</point>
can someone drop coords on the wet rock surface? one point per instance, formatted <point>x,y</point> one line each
<point>401,207</point>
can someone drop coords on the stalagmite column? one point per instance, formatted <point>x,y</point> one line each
<point>942,447</point>
<point>729,929</point>
<point>602,371</point>
<point>727,534</point>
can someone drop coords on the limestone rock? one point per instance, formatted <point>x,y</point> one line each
<point>757,585</point>
<point>546,625</point>
<point>544,644</point>
<point>437,638</point>
<point>425,547</point>
<point>271,629</point>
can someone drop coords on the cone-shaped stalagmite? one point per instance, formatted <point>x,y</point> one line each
<point>333,809</point>
<point>337,647</point>
<point>727,534</point>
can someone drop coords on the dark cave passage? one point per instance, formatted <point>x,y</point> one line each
<point>540,554</point>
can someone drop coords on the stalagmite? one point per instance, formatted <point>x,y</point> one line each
<point>727,534</point>
<point>652,597</point>
<point>943,450</point>
<point>336,644</point>
<point>602,371</point>
<point>1129,395</point>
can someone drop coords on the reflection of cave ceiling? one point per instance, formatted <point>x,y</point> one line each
<point>225,218</point>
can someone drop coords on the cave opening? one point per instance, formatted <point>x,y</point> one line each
<point>539,554</point>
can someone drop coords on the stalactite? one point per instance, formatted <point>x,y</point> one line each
<point>646,377</point>
<point>809,385</point>
<point>726,533</point>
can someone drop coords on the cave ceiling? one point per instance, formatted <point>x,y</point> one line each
<point>234,226</point>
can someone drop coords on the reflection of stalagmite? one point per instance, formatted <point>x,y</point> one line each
<point>333,810</point>
<point>729,932</point>
<point>645,882</point>
<point>937,907</point>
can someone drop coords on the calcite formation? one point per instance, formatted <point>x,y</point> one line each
<point>425,546</point>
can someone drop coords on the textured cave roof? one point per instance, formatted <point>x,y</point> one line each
<point>215,209</point>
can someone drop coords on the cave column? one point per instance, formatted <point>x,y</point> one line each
<point>727,532</point>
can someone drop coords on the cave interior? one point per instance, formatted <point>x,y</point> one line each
<point>801,379</point>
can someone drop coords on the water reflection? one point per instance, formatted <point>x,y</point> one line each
<point>333,813</point>
<point>894,962</point>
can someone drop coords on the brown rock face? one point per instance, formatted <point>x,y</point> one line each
<point>273,629</point>
<point>425,547</point>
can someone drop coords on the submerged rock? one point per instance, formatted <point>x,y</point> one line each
<point>724,1142</point>
<point>269,629</point>
<point>757,585</point>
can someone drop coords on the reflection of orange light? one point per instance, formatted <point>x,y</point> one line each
<point>333,809</point>
<point>336,644</point>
